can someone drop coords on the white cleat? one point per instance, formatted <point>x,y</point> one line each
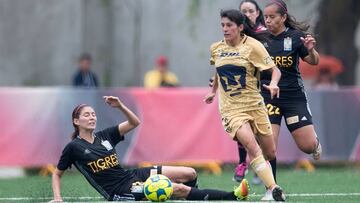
<point>276,194</point>
<point>268,196</point>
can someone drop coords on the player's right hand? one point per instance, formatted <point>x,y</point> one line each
<point>209,98</point>
<point>273,89</point>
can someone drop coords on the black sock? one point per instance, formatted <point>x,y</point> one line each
<point>209,194</point>
<point>192,183</point>
<point>242,153</point>
<point>273,167</point>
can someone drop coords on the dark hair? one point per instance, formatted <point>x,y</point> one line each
<point>85,56</point>
<point>290,20</point>
<point>237,17</point>
<point>75,114</point>
<point>260,19</point>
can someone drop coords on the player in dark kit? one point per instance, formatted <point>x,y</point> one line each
<point>286,44</point>
<point>94,155</point>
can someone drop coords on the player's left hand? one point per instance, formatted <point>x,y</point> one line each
<point>209,98</point>
<point>113,101</point>
<point>274,90</point>
<point>309,42</point>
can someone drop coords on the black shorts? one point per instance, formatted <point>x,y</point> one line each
<point>145,172</point>
<point>139,175</point>
<point>295,109</point>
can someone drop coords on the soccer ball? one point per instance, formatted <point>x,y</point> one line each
<point>158,188</point>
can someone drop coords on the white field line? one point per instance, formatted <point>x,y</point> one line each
<point>252,195</point>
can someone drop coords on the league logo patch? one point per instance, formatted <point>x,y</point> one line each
<point>287,44</point>
<point>292,120</point>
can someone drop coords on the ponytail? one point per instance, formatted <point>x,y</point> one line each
<point>75,133</point>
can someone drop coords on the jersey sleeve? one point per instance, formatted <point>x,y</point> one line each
<point>66,158</point>
<point>212,58</point>
<point>259,57</point>
<point>213,52</point>
<point>111,134</point>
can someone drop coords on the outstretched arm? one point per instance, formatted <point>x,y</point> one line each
<point>56,185</point>
<point>132,120</point>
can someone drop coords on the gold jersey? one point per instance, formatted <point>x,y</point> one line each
<point>238,70</point>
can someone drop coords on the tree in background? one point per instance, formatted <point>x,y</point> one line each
<point>335,34</point>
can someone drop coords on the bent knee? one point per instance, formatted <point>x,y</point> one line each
<point>269,154</point>
<point>253,150</point>
<point>189,173</point>
<point>308,148</point>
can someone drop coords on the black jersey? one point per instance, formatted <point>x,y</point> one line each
<point>286,49</point>
<point>98,161</point>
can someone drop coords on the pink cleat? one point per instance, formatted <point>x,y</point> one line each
<point>240,172</point>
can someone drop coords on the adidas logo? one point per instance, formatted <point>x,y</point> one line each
<point>304,118</point>
<point>87,151</point>
<point>266,45</point>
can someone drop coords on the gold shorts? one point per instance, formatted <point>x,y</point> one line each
<point>258,120</point>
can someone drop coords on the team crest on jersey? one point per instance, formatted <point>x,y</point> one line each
<point>287,44</point>
<point>107,145</point>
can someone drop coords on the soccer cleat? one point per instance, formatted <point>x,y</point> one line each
<point>316,155</point>
<point>242,191</point>
<point>240,172</point>
<point>268,196</point>
<point>276,194</point>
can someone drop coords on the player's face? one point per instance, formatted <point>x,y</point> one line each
<point>274,21</point>
<point>87,119</point>
<point>230,29</point>
<point>249,10</point>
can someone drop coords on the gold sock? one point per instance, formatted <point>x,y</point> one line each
<point>263,170</point>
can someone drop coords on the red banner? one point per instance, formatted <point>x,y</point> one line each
<point>179,126</point>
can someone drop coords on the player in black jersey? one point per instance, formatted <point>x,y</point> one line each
<point>94,155</point>
<point>287,43</point>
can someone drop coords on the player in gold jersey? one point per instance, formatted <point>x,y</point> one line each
<point>238,60</point>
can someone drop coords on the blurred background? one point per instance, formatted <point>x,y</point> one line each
<point>41,40</point>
